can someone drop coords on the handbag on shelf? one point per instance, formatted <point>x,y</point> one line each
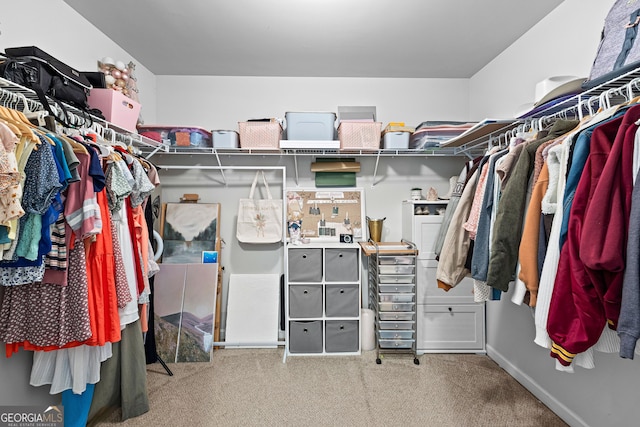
<point>259,220</point>
<point>47,77</point>
<point>619,48</point>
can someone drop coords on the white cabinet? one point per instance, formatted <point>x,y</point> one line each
<point>323,299</point>
<point>447,322</point>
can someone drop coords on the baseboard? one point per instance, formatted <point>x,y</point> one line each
<point>542,394</point>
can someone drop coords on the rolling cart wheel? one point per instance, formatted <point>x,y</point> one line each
<point>378,361</point>
<point>416,361</point>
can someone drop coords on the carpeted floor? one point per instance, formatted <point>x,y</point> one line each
<point>244,387</point>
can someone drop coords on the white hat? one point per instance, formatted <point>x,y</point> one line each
<point>550,89</point>
<point>557,86</point>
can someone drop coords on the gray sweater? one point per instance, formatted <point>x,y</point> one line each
<point>629,320</point>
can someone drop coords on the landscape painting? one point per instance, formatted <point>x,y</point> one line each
<point>185,300</point>
<point>188,230</point>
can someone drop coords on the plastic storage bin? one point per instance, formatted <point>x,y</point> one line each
<point>178,136</point>
<point>260,135</point>
<point>310,126</point>
<point>396,140</point>
<point>116,108</point>
<point>359,135</point>
<point>225,138</point>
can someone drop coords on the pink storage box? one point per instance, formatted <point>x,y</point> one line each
<point>261,135</point>
<point>116,108</point>
<point>358,135</point>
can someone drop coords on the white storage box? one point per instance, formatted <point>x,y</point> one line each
<point>396,140</point>
<point>225,138</point>
<point>310,126</point>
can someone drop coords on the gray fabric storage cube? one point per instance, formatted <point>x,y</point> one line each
<point>342,300</point>
<point>341,265</point>
<point>305,265</point>
<point>305,300</point>
<point>305,336</point>
<point>342,336</point>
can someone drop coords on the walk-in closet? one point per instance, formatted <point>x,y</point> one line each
<point>481,275</point>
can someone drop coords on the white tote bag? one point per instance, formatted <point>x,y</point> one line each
<point>259,220</point>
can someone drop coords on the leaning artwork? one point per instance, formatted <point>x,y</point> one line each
<point>188,230</point>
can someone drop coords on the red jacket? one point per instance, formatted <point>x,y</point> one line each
<point>588,284</point>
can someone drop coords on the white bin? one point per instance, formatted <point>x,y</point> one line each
<point>367,331</point>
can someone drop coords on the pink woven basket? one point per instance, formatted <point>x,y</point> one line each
<point>359,135</point>
<point>262,135</point>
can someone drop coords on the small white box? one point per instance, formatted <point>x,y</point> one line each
<point>225,138</point>
<point>396,140</point>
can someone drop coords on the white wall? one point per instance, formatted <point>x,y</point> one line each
<point>53,26</point>
<point>564,42</point>
<point>57,29</point>
<point>221,102</point>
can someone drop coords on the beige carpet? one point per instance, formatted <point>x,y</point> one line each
<point>243,387</point>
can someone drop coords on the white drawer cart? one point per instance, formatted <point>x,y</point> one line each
<point>323,299</point>
<point>392,296</point>
<point>447,322</point>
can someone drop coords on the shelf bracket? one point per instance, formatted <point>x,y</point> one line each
<point>375,170</point>
<point>158,148</point>
<point>295,164</point>
<point>224,178</point>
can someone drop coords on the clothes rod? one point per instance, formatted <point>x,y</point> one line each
<point>169,167</point>
<point>248,344</point>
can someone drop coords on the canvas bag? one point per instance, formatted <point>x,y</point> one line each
<point>259,220</point>
<point>619,48</point>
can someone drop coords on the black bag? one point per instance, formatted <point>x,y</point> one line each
<point>37,70</point>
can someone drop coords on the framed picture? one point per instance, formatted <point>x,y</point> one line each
<point>326,214</point>
<point>189,229</point>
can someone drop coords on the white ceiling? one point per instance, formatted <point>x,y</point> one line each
<point>314,38</point>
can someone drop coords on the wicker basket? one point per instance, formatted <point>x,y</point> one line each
<point>261,135</point>
<point>359,135</point>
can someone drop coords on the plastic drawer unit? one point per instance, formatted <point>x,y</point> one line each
<point>392,296</point>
